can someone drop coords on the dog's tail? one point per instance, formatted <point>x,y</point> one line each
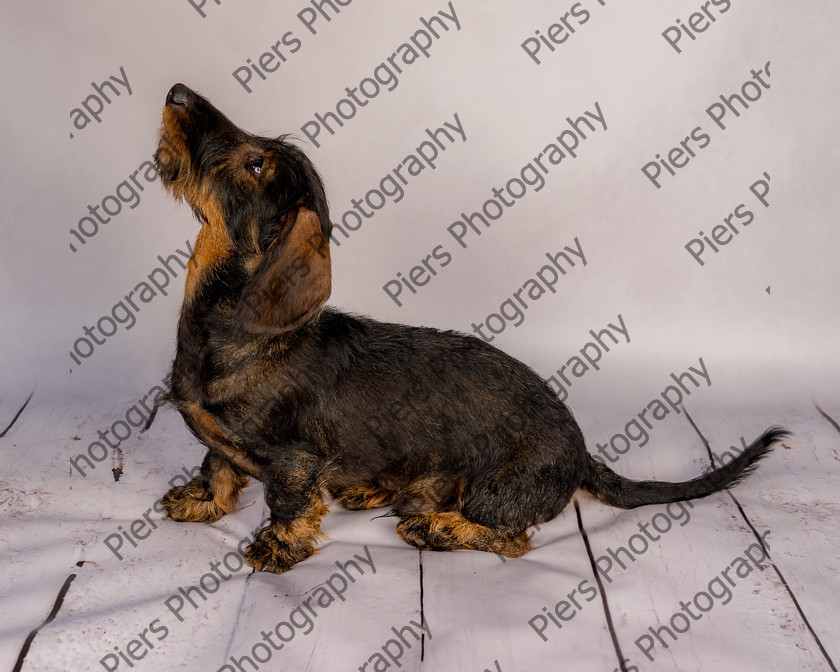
<point>622,492</point>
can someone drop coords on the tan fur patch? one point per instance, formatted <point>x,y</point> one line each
<point>213,242</point>
<point>450,531</point>
<point>212,245</point>
<point>192,503</point>
<point>204,424</point>
<point>434,492</point>
<point>365,496</point>
<point>278,547</point>
<point>292,281</point>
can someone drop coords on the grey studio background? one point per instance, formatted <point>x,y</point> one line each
<point>636,199</point>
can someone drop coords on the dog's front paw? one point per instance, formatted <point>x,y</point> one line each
<point>276,551</point>
<point>191,503</point>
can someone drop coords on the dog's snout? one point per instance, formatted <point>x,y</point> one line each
<point>179,95</point>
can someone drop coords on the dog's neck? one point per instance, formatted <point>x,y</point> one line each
<point>209,281</point>
<point>207,314</point>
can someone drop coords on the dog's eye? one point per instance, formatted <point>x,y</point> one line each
<point>256,166</point>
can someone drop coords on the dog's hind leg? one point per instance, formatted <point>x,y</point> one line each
<point>209,496</point>
<point>362,496</point>
<point>432,520</point>
<point>493,510</point>
<point>450,530</point>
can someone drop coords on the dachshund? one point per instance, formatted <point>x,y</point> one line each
<point>468,446</point>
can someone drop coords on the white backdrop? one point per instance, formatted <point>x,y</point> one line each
<point>761,311</point>
<point>554,118</point>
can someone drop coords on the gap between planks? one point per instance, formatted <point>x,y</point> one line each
<point>760,541</point>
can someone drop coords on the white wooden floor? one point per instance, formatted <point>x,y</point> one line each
<point>179,599</point>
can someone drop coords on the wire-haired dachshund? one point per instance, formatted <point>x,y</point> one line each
<point>468,446</point>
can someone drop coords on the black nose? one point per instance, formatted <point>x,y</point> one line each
<point>179,95</point>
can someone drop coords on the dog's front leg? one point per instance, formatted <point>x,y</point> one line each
<point>208,496</point>
<point>293,491</point>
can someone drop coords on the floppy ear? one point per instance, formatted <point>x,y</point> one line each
<point>292,281</point>
<point>317,198</point>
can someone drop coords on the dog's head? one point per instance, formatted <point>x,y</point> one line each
<point>262,208</point>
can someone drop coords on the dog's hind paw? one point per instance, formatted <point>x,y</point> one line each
<point>449,531</point>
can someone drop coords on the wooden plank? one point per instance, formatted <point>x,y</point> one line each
<point>830,412</point>
<point>486,613</point>
<point>41,538</point>
<point>12,407</point>
<point>114,601</point>
<point>477,608</point>
<point>136,610</point>
<point>796,497</point>
<point>693,551</point>
<point>339,605</point>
